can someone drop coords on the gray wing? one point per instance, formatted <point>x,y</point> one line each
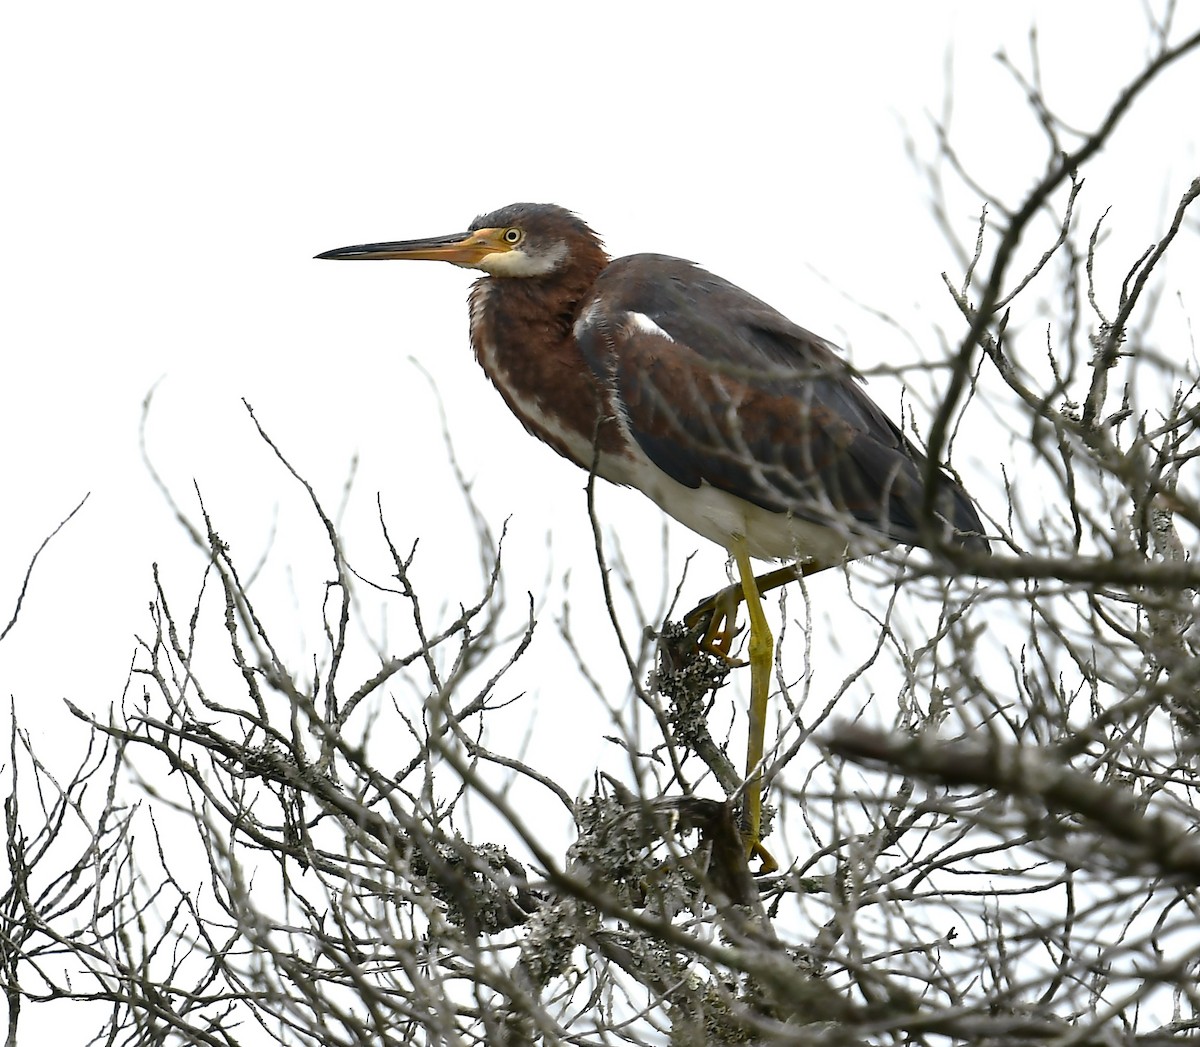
<point>716,386</point>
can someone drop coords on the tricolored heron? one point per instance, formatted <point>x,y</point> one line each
<point>737,422</point>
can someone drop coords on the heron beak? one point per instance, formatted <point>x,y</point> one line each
<point>466,249</point>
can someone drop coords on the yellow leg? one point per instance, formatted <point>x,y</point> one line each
<point>762,648</point>
<point>718,617</point>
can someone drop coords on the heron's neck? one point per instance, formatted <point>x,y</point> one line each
<point>521,331</point>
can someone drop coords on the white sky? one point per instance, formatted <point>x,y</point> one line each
<point>170,170</point>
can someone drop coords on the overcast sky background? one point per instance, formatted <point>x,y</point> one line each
<point>170,171</point>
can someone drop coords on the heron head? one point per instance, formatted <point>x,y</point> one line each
<point>520,240</point>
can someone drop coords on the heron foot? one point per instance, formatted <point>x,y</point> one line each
<point>718,617</point>
<point>766,861</point>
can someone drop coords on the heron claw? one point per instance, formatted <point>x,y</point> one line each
<point>766,861</point>
<point>717,616</point>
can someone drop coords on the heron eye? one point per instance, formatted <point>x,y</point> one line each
<point>513,236</point>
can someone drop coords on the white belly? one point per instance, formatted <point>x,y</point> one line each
<point>720,516</point>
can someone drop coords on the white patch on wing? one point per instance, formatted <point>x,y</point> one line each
<point>517,263</point>
<point>643,323</point>
<point>589,317</point>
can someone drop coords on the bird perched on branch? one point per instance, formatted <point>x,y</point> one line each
<point>737,422</point>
